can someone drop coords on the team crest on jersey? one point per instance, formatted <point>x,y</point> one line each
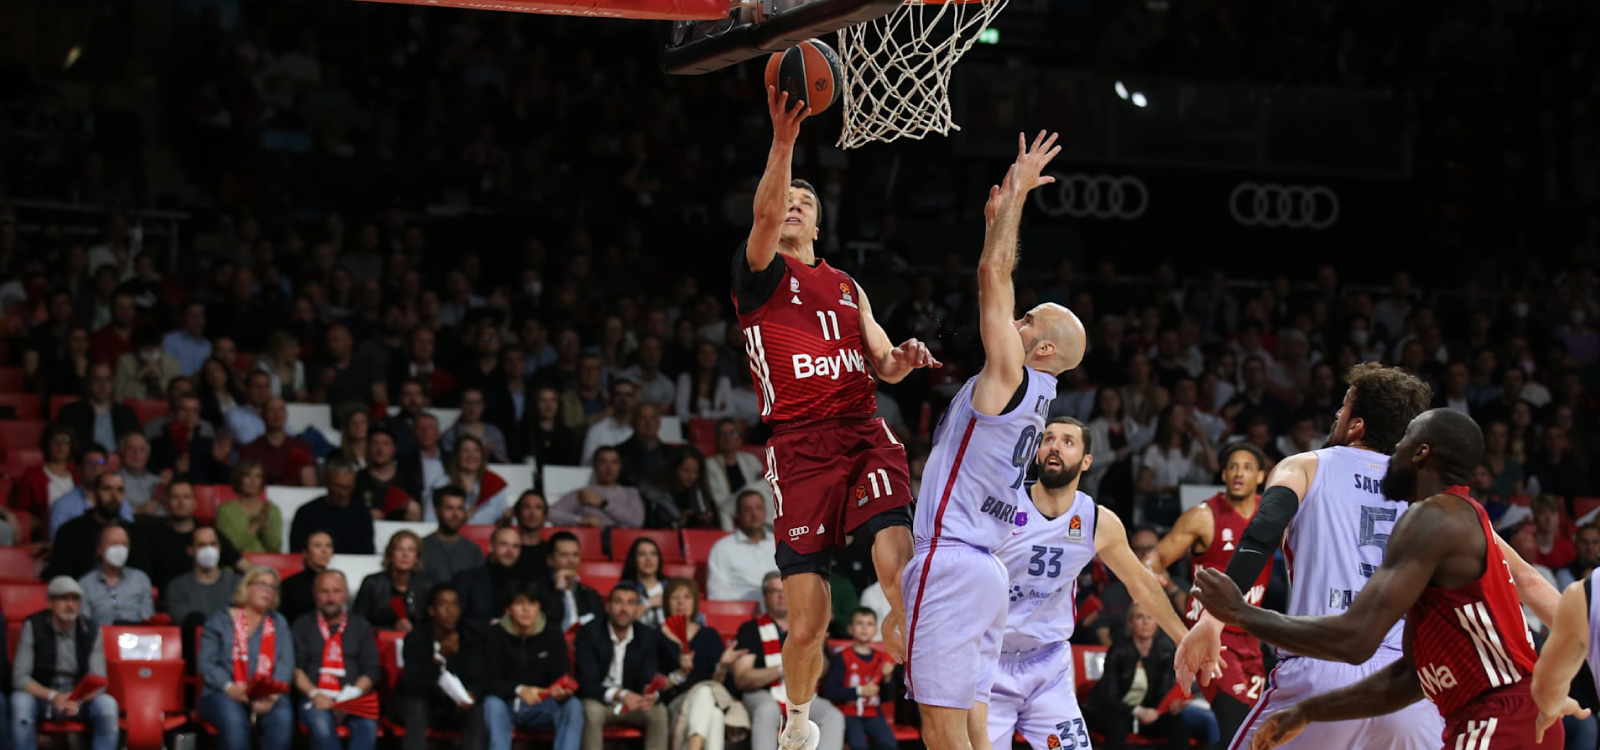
<point>1227,540</point>
<point>1022,518</point>
<point>1075,529</point>
<point>844,295</point>
<point>794,284</point>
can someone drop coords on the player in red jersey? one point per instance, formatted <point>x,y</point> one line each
<point>834,468</point>
<point>1466,646</point>
<point>1210,532</point>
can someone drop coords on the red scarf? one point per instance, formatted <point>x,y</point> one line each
<point>772,656</point>
<point>241,648</point>
<point>488,487</point>
<point>331,677</point>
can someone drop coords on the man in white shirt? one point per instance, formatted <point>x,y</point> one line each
<point>655,387</point>
<point>632,655</point>
<point>739,560</point>
<point>617,427</point>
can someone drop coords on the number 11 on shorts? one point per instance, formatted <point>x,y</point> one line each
<point>874,476</point>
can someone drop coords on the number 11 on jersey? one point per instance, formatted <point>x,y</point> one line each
<point>826,317</point>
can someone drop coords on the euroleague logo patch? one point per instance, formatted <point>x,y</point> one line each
<point>861,495</point>
<point>844,295</point>
<point>1053,742</point>
<point>1075,529</point>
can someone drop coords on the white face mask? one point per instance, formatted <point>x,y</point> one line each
<point>117,555</point>
<point>208,557</point>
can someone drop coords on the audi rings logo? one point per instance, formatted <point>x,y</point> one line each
<point>1093,196</point>
<point>1268,204</point>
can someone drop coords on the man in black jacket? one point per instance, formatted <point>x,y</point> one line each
<point>483,590</point>
<point>525,659</point>
<point>422,698</point>
<point>325,676</point>
<point>618,659</point>
<point>98,418</point>
<point>569,602</point>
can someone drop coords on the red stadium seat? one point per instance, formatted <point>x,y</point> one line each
<point>20,433</point>
<point>150,693</point>
<point>589,541</point>
<point>148,408</point>
<point>243,361</point>
<point>682,570</point>
<point>21,406</point>
<point>12,379</point>
<point>207,497</point>
<point>482,534</point>
<point>21,600</point>
<point>725,617</point>
<point>20,460</point>
<point>56,402</point>
<point>703,435</point>
<point>13,637</point>
<point>18,565</point>
<point>287,564</point>
<point>697,543</point>
<point>667,540</point>
<point>1083,657</point>
<point>600,576</point>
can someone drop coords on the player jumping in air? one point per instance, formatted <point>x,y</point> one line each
<point>834,468</point>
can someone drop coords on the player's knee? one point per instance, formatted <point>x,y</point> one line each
<point>807,633</point>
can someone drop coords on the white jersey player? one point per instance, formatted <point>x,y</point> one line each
<point>1328,511</point>
<point>1059,531</point>
<point>973,482</point>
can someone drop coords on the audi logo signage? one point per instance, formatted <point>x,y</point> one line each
<point>1093,196</point>
<point>1269,204</point>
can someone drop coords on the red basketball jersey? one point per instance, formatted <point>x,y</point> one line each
<point>861,670</point>
<point>1471,640</point>
<point>1227,530</point>
<point>804,346</point>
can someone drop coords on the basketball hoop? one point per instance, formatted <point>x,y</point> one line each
<point>897,68</point>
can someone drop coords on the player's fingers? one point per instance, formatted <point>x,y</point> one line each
<point>1022,145</point>
<point>1046,180</point>
<point>1051,141</point>
<point>1038,141</point>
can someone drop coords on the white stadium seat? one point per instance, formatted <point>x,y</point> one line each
<point>356,568</point>
<point>671,430</point>
<point>519,478</point>
<point>382,531</point>
<point>289,500</point>
<point>559,480</point>
<point>302,416</point>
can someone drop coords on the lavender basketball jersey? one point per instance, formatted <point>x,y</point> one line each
<point>972,484</point>
<point>1043,559</point>
<point>1594,627</point>
<point>1337,539</point>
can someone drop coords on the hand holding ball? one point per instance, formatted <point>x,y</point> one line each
<point>808,72</point>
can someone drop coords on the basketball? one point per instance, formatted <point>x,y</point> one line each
<point>808,71</point>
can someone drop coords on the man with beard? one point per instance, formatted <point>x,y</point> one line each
<point>1336,541</point>
<point>1060,532</point>
<point>161,543</point>
<point>1211,532</point>
<point>77,543</point>
<point>483,589</point>
<point>335,659</point>
<point>1466,647</point>
<point>445,552</point>
<point>381,487</point>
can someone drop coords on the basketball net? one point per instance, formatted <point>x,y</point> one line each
<point>897,68</point>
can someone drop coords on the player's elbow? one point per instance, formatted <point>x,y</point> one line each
<point>992,271</point>
<point>1356,648</point>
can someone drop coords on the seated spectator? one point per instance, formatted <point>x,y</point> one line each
<point>702,701</point>
<point>605,502</point>
<point>41,485</point>
<point>343,378</point>
<point>189,343</point>
<point>568,601</point>
<point>91,466</point>
<point>531,516</point>
<point>424,466</point>
<point>115,338</point>
<point>854,682</point>
<point>403,424</point>
<point>76,546</point>
<point>1508,472</point>
<point>1254,399</point>
<point>188,445</point>
<point>732,471</point>
<point>285,459</point>
<point>1138,675</point>
<point>617,657</point>
<point>1117,441</point>
<point>468,469</point>
<point>1555,550</point>
<point>226,671</point>
<point>396,597</point>
<point>482,589</point>
<point>145,371</point>
<point>381,487</point>
<point>161,543</point>
<point>761,687</point>
<point>43,674</point>
<point>737,561</point>
<point>642,454</point>
<point>1554,470</point>
<point>507,394</point>
<point>584,404</point>
<point>298,597</point>
<point>471,423</point>
<point>676,497</point>
<point>1587,556</point>
<point>97,418</point>
<point>325,676</point>
<point>250,521</point>
<point>280,359</point>
<point>206,589</point>
<point>549,439</point>
<point>445,552</point>
<point>617,426</point>
<point>1302,437</point>
<point>1180,453</point>
<point>354,429</point>
<point>443,643</point>
<point>247,421</point>
<point>142,486</point>
<point>642,567</point>
<point>418,364</point>
<point>219,394</point>
<point>703,391</point>
<point>1524,539</point>
<point>115,594</point>
<point>655,386</point>
<point>525,656</point>
<point>66,367</point>
<point>347,523</point>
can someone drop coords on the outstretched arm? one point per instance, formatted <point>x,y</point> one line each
<point>1422,540</point>
<point>997,302</point>
<point>1194,525</point>
<point>1532,588</point>
<point>1111,544</point>
<point>1561,659</point>
<point>772,194</point>
<point>889,362</point>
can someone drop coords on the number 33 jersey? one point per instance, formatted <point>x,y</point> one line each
<point>1043,558</point>
<point>972,484</point>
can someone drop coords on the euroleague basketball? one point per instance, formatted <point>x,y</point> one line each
<point>809,72</point>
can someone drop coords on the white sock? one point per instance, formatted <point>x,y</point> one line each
<point>795,724</point>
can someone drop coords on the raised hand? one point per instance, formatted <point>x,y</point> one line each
<point>1028,171</point>
<point>785,119</point>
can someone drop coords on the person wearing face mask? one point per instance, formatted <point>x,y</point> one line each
<point>145,371</point>
<point>77,542</point>
<point>115,593</point>
<point>163,546</point>
<point>206,589</point>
